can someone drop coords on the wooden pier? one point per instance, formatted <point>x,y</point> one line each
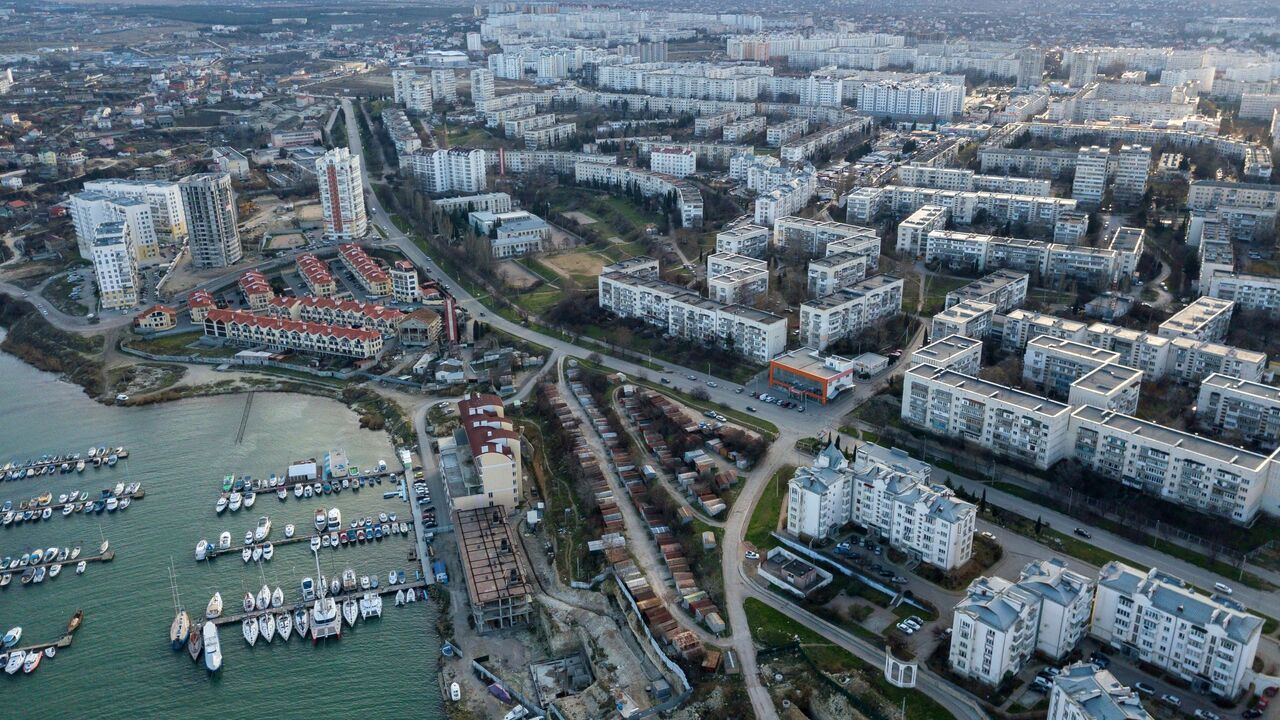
<point>289,607</point>
<point>57,507</point>
<point>214,551</point>
<point>63,641</point>
<point>364,480</point>
<point>40,465</point>
<point>107,556</point>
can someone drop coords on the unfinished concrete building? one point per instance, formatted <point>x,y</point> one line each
<point>497,581</point>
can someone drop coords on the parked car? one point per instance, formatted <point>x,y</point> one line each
<point>664,381</point>
<point>898,580</point>
<point>1083,533</point>
<point>1251,713</point>
<point>1222,588</point>
<point>753,555</point>
<point>905,629</point>
<point>1143,688</point>
<point>1171,700</point>
<point>1041,683</point>
<point>1206,715</point>
<point>987,535</point>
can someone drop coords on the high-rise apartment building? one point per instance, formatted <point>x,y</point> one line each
<point>1133,166</point>
<point>1091,175</point>
<point>210,207</point>
<point>481,85</point>
<point>338,173</point>
<point>115,265</point>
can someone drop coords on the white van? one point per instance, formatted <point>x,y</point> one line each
<point>1224,589</point>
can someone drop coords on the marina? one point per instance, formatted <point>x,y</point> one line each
<point>63,641</point>
<point>17,568</point>
<point>416,585</point>
<point>327,539</point>
<point>300,487</point>
<point>77,502</point>
<point>95,458</point>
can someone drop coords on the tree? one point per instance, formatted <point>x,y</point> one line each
<point>1039,524</point>
<point>982,504</point>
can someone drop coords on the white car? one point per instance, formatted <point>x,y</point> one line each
<point>753,555</point>
<point>905,628</point>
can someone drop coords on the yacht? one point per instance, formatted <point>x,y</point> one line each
<point>284,625</point>
<point>249,628</point>
<point>335,519</point>
<point>195,645</point>
<point>350,612</point>
<point>282,493</point>
<point>261,532</point>
<point>202,549</point>
<point>214,608</point>
<point>248,537</point>
<point>300,621</point>
<point>297,491</point>
<point>224,540</point>
<point>15,661</point>
<point>179,630</point>
<point>324,621</point>
<point>348,580</point>
<point>277,597</point>
<point>249,498</point>
<point>321,520</point>
<point>234,502</point>
<point>54,570</point>
<point>268,550</point>
<point>212,648</point>
<point>80,567</point>
<point>288,531</point>
<point>246,554</point>
<point>370,606</point>
<point>12,637</point>
<point>221,504</point>
<point>308,589</point>
<point>263,598</point>
<point>31,663</point>
<point>257,553</point>
<point>315,543</point>
<point>267,624</point>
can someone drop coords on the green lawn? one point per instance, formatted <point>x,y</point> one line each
<point>769,627</point>
<point>537,301</point>
<point>765,515</point>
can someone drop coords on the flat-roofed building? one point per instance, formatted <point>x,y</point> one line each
<point>1141,350</point>
<point>970,319</point>
<point>914,230</point>
<point>830,273</point>
<point>1190,361</point>
<point>1240,408</point>
<point>745,239</point>
<point>1249,292</point>
<point>813,236</point>
<point>1006,289</point>
<point>736,278</point>
<point>1018,327</point>
<point>953,352</point>
<point>808,373</point>
<point>1207,641</point>
<point>1177,466</point>
<point>1010,423</point>
<point>498,589</point>
<point>831,318</point>
<point>1110,387</point>
<point>1053,364</point>
<point>1206,318</point>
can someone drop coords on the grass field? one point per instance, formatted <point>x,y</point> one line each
<point>764,518</point>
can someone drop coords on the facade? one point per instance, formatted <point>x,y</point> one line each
<point>231,161</point>
<point>1053,364</point>
<point>675,161</point>
<point>1111,387</point>
<point>482,466</point>
<point>156,318</point>
<point>862,204</point>
<point>1092,170</point>
<point>342,195</point>
<point>1133,167</point>
<point>828,274</point>
<point>1083,692</point>
<point>481,85</point>
<point>846,312</point>
<point>736,278</point>
<point>211,220</point>
<point>115,266</point>
<point>971,318</point>
<point>1208,641</point>
<point>279,334</point>
<point>455,170</point>
<point>375,281</point>
<point>1249,292</point>
<point>165,199</point>
<point>993,631</point>
<point>912,99</point>
<point>1179,467</point>
<point>496,202</point>
<point>199,303</point>
<point>1006,289</point>
<point>813,237</point>
<point>89,210</point>
<point>342,313</point>
<point>1010,423</point>
<point>688,197</point>
<point>914,230</point>
<point>953,352</point>
<point>1242,408</point>
<point>1206,319</point>
<point>1019,326</point>
<point>404,282</point>
<point>1190,361</point>
<point>315,274</point>
<point>745,239</point>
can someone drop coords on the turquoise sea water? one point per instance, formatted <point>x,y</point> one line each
<point>120,665</point>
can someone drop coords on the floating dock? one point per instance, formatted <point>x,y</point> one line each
<point>60,643</point>
<point>107,556</point>
<point>39,467</point>
<point>364,480</point>
<point>214,551</point>
<point>291,606</point>
<point>57,507</point>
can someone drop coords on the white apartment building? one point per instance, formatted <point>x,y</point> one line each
<point>814,236</point>
<point>1241,408</point>
<point>1054,364</point>
<point>549,136</point>
<point>1111,387</point>
<point>993,631</point>
<point>912,99</point>
<point>1191,360</point>
<point>1006,289</point>
<point>1092,170</point>
<point>1019,326</point>
<point>971,319</point>
<point>1133,167</point>
<point>1140,350</point>
<point>1066,599</point>
<point>675,161</point>
<point>1209,641</point>
<point>746,239</point>
<point>1083,692</point>
<point>212,221</point>
<point>777,134</point>
<point>902,200</point>
<point>115,265</point>
<point>1211,194</point>
<point>1032,163</point>
<point>828,274</point>
<point>457,170</point>
<point>744,129</point>
<point>1010,423</point>
<point>1180,467</point>
<point>1250,292</point>
<point>482,85</point>
<point>444,86</point>
<point>736,278</point>
<point>1206,318</point>
<point>785,199</point>
<point>688,197</point>
<point>914,230</point>
<point>886,491</point>
<point>342,195</point>
<point>91,209</point>
<point>846,312</point>
<point>1054,264</point>
<point>164,198</point>
<point>942,178</point>
<point>953,352</point>
<point>497,203</point>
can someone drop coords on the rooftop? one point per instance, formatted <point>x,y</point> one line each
<point>1138,430</point>
<point>1012,396</point>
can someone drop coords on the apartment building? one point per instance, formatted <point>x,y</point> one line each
<point>1180,467</point>
<point>814,236</point>
<point>830,273</point>
<point>862,204</point>
<point>538,161</point>
<point>1191,361</point>
<point>1071,228</point>
<point>1010,423</point>
<point>315,274</point>
<point>921,98</point>
<point>970,318</point>
<point>943,178</point>
<point>199,303</point>
<point>1006,289</point>
<point>914,230</point>
<point>375,281</point>
<point>886,491</point>
<point>675,161</point>
<point>211,220</point>
<point>736,278</point>
<point>786,199</point>
<point>1128,243</point>
<point>342,195</point>
<point>115,265</point>
<point>1133,168</point>
<point>405,287</point>
<point>496,202</point>
<point>953,352</point>
<point>481,462</point>
<point>846,312</point>
<point>1249,292</point>
<point>688,197</point>
<point>1143,351</point>
<point>806,147</point>
<point>444,86</point>
<point>89,210</point>
<point>1054,364</point>
<point>1083,692</point>
<point>1212,194</point>
<point>279,334</point>
<point>1240,408</point>
<point>255,289</point>
<point>343,313</point>
<point>778,134</point>
<point>481,85</point>
<point>165,199</point>
<point>550,136</point>
<point>746,239</point>
<point>1092,171</point>
<point>1206,319</point>
<point>455,170</point>
<point>1110,387</point>
<point>1031,163</point>
<point>743,130</point>
<point>1018,327</point>
<point>1208,641</point>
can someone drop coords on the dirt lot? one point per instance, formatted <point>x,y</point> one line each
<point>581,218</point>
<point>575,263</point>
<point>286,241</point>
<point>515,275</point>
<point>368,84</point>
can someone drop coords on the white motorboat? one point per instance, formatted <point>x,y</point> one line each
<point>54,570</point>
<point>277,597</point>
<point>335,519</point>
<point>404,528</point>
<point>261,532</point>
<point>282,493</point>
<point>350,611</point>
<point>399,597</point>
<point>202,549</point>
<point>80,466</point>
<point>267,624</point>
<point>248,537</point>
<point>348,580</point>
<point>263,598</point>
<point>268,551</point>
<point>364,582</point>
<point>391,578</point>
<point>68,509</point>
<point>224,540</point>
<point>12,637</point>
<point>382,517</point>
<point>324,540</point>
<point>221,504</point>
<point>288,531</point>
<point>214,608</point>
<point>246,554</point>
<point>257,553</point>
<point>308,589</point>
<point>321,520</point>
<point>410,596</point>
<point>249,628</point>
<point>284,626</point>
<point>307,491</point>
<point>315,543</point>
<point>80,567</point>
<point>32,662</point>
<point>249,499</point>
<point>234,502</point>
<point>455,692</point>
<point>212,648</point>
<point>334,586</point>
<point>75,553</point>
<point>15,661</point>
<point>297,491</point>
